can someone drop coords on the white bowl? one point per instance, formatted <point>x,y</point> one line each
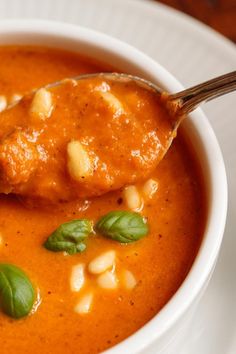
<point>163,327</point>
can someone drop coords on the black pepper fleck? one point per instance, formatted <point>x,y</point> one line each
<point>119,201</point>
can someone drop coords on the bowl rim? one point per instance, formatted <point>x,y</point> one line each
<point>207,255</point>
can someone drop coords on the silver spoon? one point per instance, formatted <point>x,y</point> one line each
<point>178,104</point>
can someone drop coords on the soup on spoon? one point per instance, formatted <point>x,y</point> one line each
<point>81,139</point>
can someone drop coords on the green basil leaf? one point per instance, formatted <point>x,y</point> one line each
<point>123,226</point>
<point>16,291</point>
<point>69,236</point>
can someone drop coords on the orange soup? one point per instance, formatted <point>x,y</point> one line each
<point>92,231</point>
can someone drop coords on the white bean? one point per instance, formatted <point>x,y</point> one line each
<point>113,102</point>
<point>149,188</point>
<point>107,280</point>
<point>15,98</point>
<point>3,103</point>
<point>132,198</point>
<point>78,162</point>
<point>84,304</point>
<point>41,105</point>
<point>1,239</point>
<point>129,280</point>
<point>77,278</point>
<point>101,263</point>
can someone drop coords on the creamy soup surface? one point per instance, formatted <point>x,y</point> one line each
<point>144,274</point>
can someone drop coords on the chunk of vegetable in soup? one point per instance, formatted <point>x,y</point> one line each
<point>100,267</point>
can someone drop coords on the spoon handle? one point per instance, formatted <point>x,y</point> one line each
<point>186,101</point>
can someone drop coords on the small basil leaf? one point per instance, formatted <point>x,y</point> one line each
<point>16,291</point>
<point>123,226</point>
<point>56,245</point>
<point>69,237</point>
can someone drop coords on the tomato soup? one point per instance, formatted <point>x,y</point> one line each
<point>97,276</point>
